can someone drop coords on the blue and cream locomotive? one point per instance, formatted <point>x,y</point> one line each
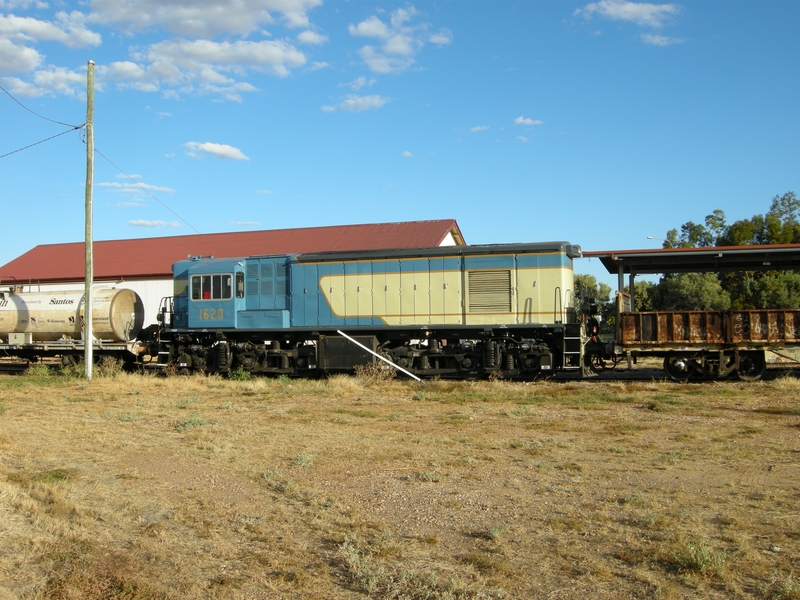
<point>457,311</point>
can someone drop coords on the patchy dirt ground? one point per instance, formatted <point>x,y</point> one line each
<point>200,487</point>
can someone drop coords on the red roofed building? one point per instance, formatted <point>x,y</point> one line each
<point>145,264</point>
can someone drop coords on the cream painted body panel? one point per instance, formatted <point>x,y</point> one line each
<point>435,297</point>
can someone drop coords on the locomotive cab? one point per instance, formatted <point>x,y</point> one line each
<point>239,294</point>
<point>208,293</point>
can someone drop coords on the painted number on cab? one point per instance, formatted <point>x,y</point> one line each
<point>210,314</point>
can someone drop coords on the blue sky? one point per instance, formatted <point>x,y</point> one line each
<point>599,123</point>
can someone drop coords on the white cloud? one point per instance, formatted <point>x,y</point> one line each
<point>14,4</point>
<point>19,34</point>
<point>370,27</point>
<point>442,37</point>
<point>359,83</point>
<point>378,62</point>
<point>264,192</point>
<point>479,128</point>
<point>134,187</point>
<point>317,65</point>
<point>244,223</point>
<point>201,18</point>
<point>641,13</point>
<point>407,154</point>
<point>660,40</point>
<point>54,80</point>
<point>400,41</point>
<point>134,204</point>
<point>17,57</point>
<point>311,38</point>
<point>218,150</point>
<point>201,66</point>
<point>206,58</point>
<point>68,29</point>
<point>520,120</point>
<point>356,103</point>
<point>522,138</point>
<point>145,223</point>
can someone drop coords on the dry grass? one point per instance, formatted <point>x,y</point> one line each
<point>355,487</point>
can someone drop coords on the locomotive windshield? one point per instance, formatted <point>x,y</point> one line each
<point>211,287</point>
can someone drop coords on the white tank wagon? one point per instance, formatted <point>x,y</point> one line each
<point>117,315</point>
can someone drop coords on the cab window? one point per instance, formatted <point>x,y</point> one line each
<point>212,287</point>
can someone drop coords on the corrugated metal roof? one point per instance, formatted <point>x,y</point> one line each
<point>698,260</point>
<point>147,258</point>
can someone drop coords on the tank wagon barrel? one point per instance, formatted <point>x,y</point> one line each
<point>35,325</point>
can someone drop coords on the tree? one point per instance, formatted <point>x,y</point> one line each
<point>772,289</point>
<point>597,294</point>
<point>692,291</point>
<point>645,295</point>
<point>780,225</point>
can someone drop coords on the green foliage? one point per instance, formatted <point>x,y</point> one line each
<point>38,371</point>
<point>589,288</point>
<point>780,225</point>
<point>239,374</point>
<point>597,294</point>
<point>194,420</point>
<point>646,294</point>
<point>700,559</point>
<point>738,290</point>
<point>691,291</point>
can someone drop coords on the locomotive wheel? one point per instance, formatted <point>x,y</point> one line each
<point>677,367</point>
<point>752,366</point>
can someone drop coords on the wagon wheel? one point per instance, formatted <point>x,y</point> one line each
<point>677,367</point>
<point>752,366</point>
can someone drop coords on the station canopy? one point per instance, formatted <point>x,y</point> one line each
<point>778,257</point>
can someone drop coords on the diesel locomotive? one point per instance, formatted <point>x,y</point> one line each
<point>462,311</point>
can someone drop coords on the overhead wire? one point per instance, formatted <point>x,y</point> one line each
<point>37,114</point>
<point>145,190</point>
<point>83,126</point>
<point>41,141</point>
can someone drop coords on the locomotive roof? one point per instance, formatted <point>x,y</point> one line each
<point>571,250</point>
<point>698,260</point>
<point>152,258</point>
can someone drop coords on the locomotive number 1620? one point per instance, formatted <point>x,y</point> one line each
<point>210,314</point>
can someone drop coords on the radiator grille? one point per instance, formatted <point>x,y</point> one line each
<point>489,291</point>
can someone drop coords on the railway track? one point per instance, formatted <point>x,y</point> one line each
<point>12,368</point>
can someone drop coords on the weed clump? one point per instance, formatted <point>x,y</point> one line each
<point>699,559</point>
<point>194,420</point>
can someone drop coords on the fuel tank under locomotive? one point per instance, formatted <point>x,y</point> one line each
<point>117,315</point>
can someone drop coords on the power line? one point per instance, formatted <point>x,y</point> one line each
<point>145,190</point>
<point>43,141</point>
<point>73,128</point>
<point>37,114</point>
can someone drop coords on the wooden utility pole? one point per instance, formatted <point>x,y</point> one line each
<point>88,335</point>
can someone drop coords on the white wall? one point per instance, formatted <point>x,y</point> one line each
<point>150,291</point>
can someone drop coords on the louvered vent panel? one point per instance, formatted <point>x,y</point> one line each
<point>252,279</point>
<point>489,291</point>
<point>282,276</point>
